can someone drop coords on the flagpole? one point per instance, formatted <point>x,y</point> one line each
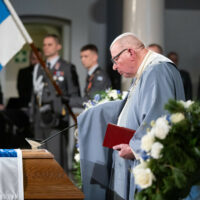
<point>28,39</point>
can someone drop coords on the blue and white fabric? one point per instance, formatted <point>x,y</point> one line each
<point>11,39</point>
<point>11,174</point>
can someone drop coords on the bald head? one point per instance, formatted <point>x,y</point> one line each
<point>127,40</point>
<point>127,53</point>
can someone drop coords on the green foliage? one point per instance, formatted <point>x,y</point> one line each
<point>77,174</point>
<point>178,168</point>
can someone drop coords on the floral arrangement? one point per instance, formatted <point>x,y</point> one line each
<point>170,160</point>
<point>99,98</point>
<point>105,96</point>
<point>76,167</point>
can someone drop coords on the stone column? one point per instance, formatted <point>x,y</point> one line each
<point>145,19</point>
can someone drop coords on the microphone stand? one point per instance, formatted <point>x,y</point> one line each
<point>35,145</point>
<point>52,136</point>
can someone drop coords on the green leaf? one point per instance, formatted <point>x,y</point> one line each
<point>179,177</point>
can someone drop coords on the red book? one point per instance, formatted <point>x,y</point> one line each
<point>117,135</point>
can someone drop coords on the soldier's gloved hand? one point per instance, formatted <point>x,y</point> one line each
<point>38,84</point>
<point>65,99</point>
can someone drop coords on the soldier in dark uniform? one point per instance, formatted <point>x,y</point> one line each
<point>187,83</point>
<point>97,80</point>
<point>52,114</point>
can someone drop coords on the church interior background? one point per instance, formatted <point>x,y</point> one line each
<point>99,21</point>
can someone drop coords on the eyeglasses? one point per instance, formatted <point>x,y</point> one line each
<point>114,59</point>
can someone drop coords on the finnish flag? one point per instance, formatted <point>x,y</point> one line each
<point>11,174</point>
<point>11,36</point>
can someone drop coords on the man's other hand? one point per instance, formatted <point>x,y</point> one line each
<point>125,151</point>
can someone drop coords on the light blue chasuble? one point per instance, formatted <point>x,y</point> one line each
<point>158,82</point>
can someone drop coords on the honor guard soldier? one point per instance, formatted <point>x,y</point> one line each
<point>97,80</point>
<point>51,113</point>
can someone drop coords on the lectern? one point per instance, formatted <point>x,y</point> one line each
<point>44,178</point>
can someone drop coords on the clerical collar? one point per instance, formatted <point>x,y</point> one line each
<point>92,69</point>
<point>53,61</point>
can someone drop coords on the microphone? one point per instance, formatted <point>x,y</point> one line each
<point>34,144</point>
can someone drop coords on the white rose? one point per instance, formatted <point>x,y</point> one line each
<point>147,141</point>
<point>142,165</point>
<point>113,94</point>
<point>187,104</point>
<point>177,117</point>
<point>161,128</point>
<point>143,177</point>
<point>156,149</point>
<point>77,157</point>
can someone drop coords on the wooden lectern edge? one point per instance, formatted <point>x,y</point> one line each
<point>36,153</point>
